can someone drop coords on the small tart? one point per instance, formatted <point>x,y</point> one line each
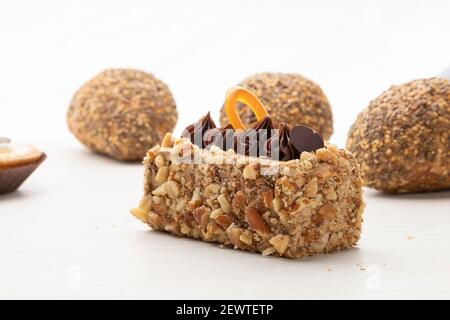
<point>17,163</point>
<point>15,155</point>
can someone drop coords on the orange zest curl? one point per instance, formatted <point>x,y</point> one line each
<point>240,94</point>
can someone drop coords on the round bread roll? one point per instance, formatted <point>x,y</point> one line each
<point>122,113</point>
<point>289,98</point>
<point>402,139</point>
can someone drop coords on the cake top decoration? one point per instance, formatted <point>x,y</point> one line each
<point>261,139</point>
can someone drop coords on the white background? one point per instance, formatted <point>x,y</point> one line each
<point>67,233</point>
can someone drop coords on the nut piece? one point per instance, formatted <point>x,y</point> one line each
<point>140,214</point>
<point>154,220</point>
<point>323,171</point>
<point>326,155</point>
<point>251,171</point>
<point>167,141</point>
<point>233,234</point>
<point>146,203</point>
<point>212,188</point>
<point>159,161</point>
<point>172,188</point>
<point>239,201</point>
<point>267,196</point>
<point>196,200</point>
<point>162,174</point>
<point>215,213</point>
<point>224,204</point>
<point>277,204</point>
<point>201,215</point>
<point>184,229</point>
<point>246,237</point>
<point>307,156</point>
<point>280,243</point>
<point>328,211</point>
<point>159,205</point>
<point>311,188</point>
<point>161,190</point>
<point>224,221</point>
<point>331,194</point>
<point>256,222</point>
<point>268,251</point>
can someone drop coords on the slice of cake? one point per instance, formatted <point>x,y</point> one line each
<point>309,203</point>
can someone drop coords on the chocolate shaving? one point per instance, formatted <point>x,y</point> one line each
<point>196,131</point>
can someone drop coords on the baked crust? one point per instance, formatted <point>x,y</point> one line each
<point>17,155</point>
<point>312,205</point>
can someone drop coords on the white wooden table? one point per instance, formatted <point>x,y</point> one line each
<point>68,234</point>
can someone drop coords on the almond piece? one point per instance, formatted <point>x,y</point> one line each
<point>251,171</point>
<point>277,204</point>
<point>213,189</point>
<point>146,203</point>
<point>246,237</point>
<point>162,174</point>
<point>328,211</point>
<point>172,189</point>
<point>201,215</point>
<point>159,161</point>
<point>256,222</point>
<point>280,243</point>
<point>239,201</point>
<point>224,203</point>
<point>233,234</point>
<point>196,200</point>
<point>215,213</point>
<point>267,196</point>
<point>268,251</point>
<point>323,171</point>
<point>167,141</point>
<point>140,214</point>
<point>311,188</point>
<point>331,194</point>
<point>159,205</point>
<point>307,156</point>
<point>224,221</point>
<point>326,155</point>
<point>161,190</point>
<point>154,220</point>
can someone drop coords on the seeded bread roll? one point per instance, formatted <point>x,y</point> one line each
<point>307,206</point>
<point>289,98</point>
<point>402,139</point>
<point>122,113</point>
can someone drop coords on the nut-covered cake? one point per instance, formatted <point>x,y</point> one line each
<point>402,139</point>
<point>297,197</point>
<point>122,113</point>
